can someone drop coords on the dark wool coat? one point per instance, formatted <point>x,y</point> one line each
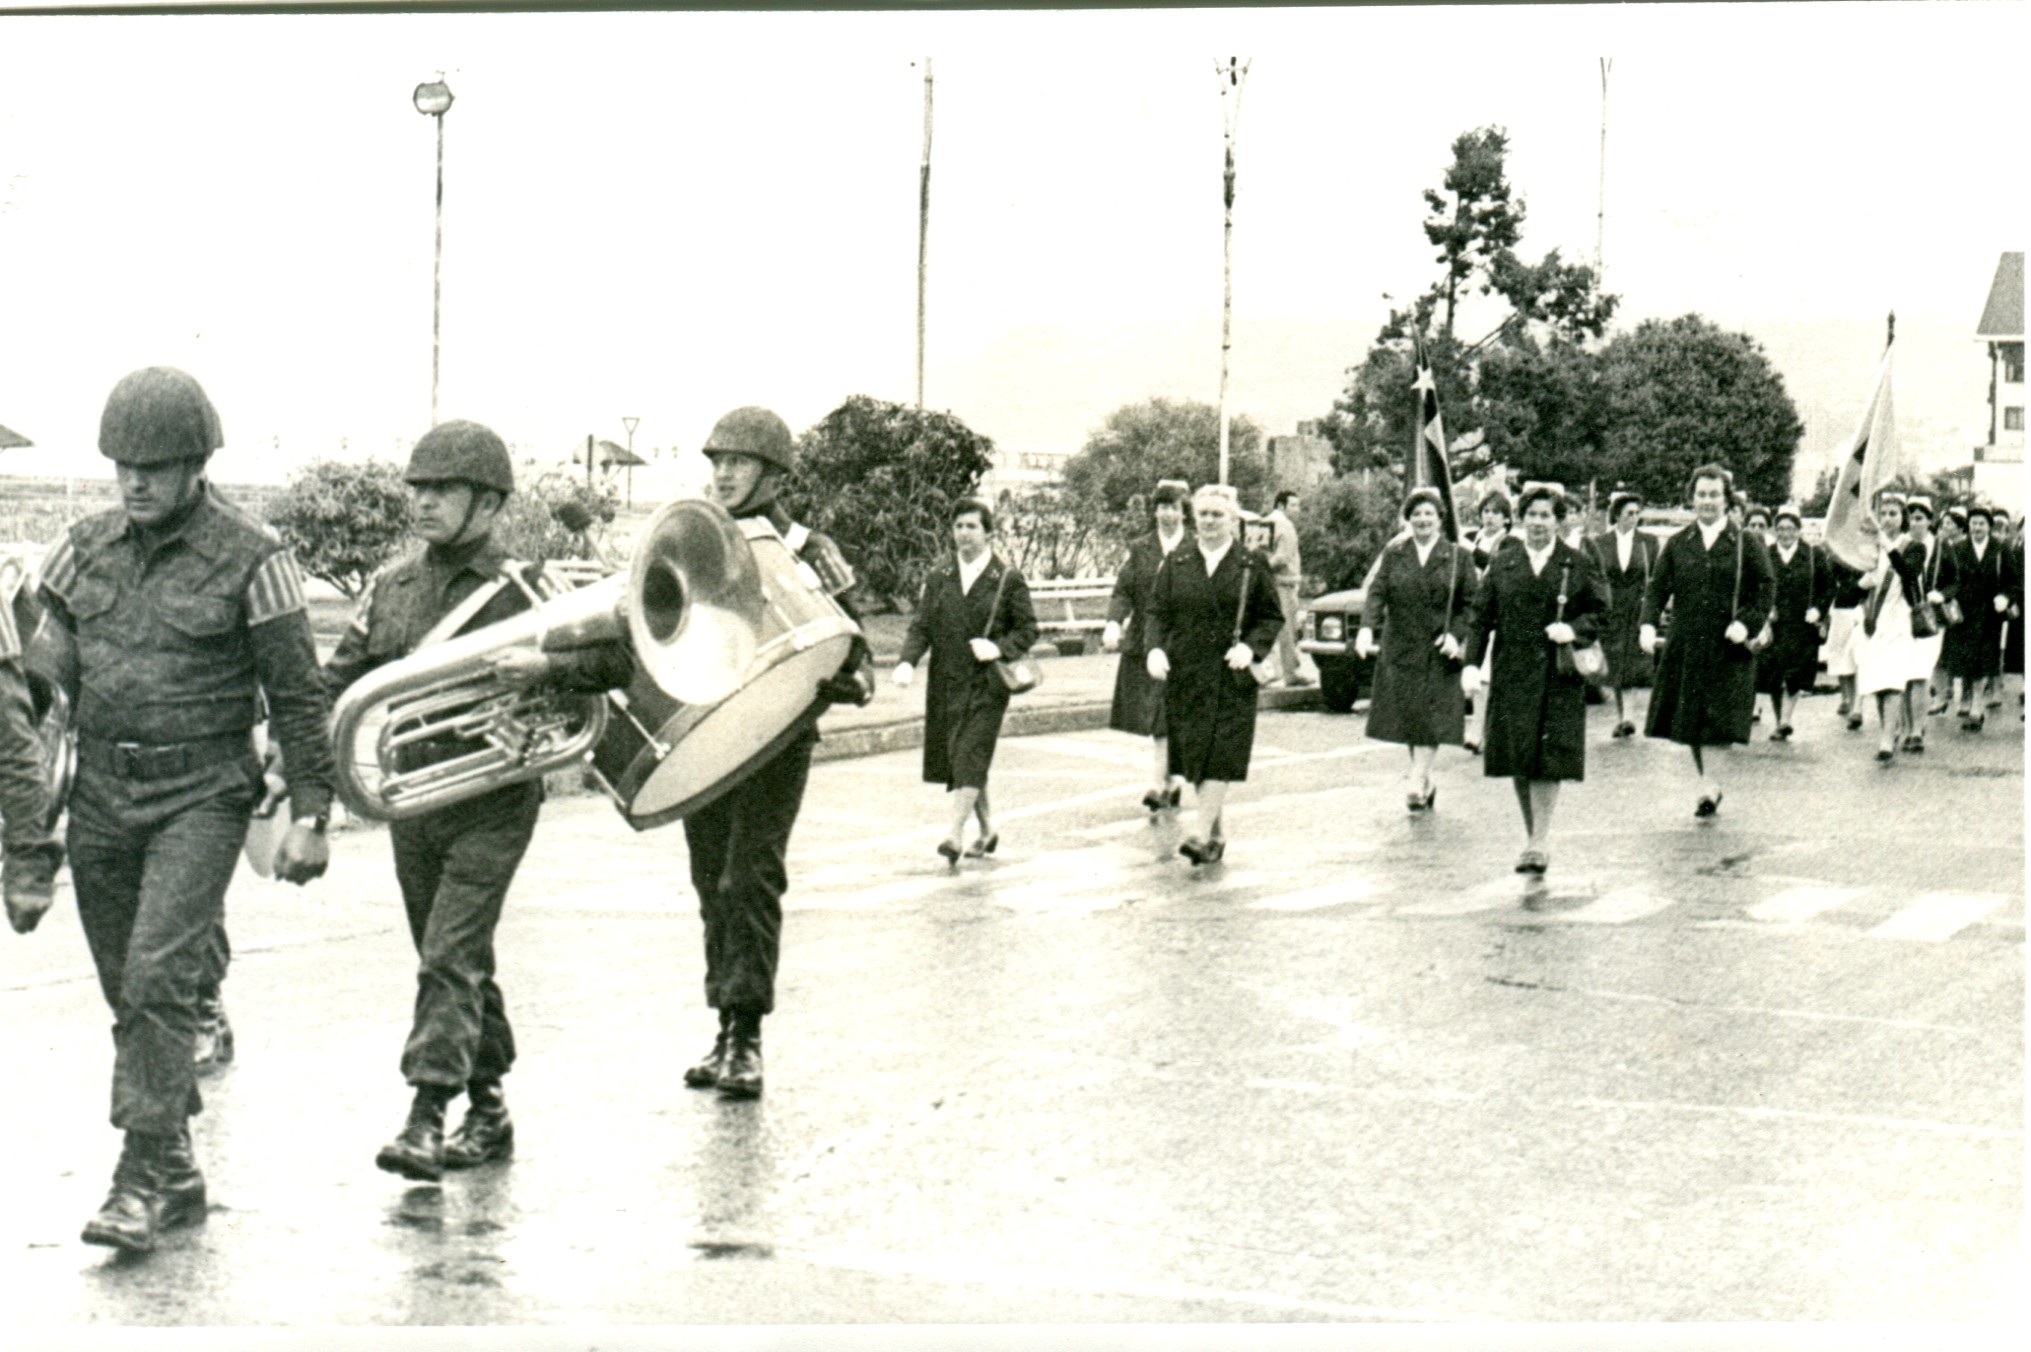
<point>1416,699</point>
<point>1628,665</point>
<point>1974,647</point>
<point>1705,691</point>
<point>1138,701</point>
<point>2013,629</point>
<point>964,699</point>
<point>1537,718</point>
<point>1791,663</point>
<point>1211,708</point>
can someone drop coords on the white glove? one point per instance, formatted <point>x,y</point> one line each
<point>1110,637</point>
<point>1646,638</point>
<point>1239,656</point>
<point>1936,598</point>
<point>1449,648</point>
<point>1559,632</point>
<point>903,675</point>
<point>1157,665</point>
<point>1470,680</point>
<point>2002,605</point>
<point>984,650</point>
<point>1812,614</point>
<point>1364,642</point>
<point>1736,633</point>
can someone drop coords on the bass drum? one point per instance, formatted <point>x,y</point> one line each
<point>662,760</point>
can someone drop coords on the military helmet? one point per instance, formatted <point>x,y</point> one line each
<point>757,432</point>
<point>462,452</point>
<point>156,415</point>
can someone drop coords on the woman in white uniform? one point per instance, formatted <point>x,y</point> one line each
<point>1886,652</point>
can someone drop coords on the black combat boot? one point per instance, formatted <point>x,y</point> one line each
<point>131,1212</point>
<point>705,1075</point>
<point>418,1152</point>
<point>741,1074</point>
<point>214,1034</point>
<point>179,1184</point>
<point>486,1134</point>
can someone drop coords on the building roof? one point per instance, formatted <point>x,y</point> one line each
<point>11,440</point>
<point>2003,316</point>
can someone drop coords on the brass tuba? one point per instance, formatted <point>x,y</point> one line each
<point>438,727</point>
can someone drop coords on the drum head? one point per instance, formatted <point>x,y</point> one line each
<point>713,749</point>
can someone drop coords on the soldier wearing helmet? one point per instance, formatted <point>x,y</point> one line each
<point>740,841</point>
<point>454,865</point>
<point>169,619</point>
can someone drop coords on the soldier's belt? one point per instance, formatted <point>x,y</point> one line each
<point>138,760</point>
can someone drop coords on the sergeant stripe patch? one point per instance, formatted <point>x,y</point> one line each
<point>60,568</point>
<point>10,641</point>
<point>276,590</point>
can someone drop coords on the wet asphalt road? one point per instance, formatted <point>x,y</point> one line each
<point>1765,1068</point>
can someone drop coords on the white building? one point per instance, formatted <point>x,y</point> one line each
<point>1999,463</point>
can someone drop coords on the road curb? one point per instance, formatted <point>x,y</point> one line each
<point>1033,720</point>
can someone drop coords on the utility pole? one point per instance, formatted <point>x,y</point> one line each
<point>1232,76</point>
<point>631,423</point>
<point>923,229</point>
<point>1601,200</point>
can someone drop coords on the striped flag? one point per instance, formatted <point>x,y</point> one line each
<point>1428,467</point>
<point>1873,460</point>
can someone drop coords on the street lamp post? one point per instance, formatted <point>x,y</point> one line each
<point>631,423</point>
<point>433,99</point>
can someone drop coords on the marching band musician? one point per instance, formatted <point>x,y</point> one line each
<point>32,855</point>
<point>739,843</point>
<point>168,618</point>
<point>454,865</point>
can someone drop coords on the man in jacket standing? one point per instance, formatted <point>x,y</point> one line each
<point>1287,569</point>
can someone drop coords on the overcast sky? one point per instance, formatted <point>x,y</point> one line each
<point>668,215</point>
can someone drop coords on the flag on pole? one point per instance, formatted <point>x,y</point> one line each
<point>1873,460</point>
<point>1428,467</point>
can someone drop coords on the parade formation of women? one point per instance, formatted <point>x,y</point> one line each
<point>166,625</point>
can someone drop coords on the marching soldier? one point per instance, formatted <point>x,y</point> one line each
<point>453,865</point>
<point>739,841</point>
<point>28,874</point>
<point>170,617</point>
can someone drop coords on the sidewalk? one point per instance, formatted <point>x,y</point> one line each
<point>1075,696</point>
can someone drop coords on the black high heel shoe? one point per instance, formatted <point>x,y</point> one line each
<point>1154,802</point>
<point>1214,852</point>
<point>1175,796</point>
<point>950,852</point>
<point>984,846</point>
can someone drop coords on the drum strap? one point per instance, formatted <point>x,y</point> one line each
<point>461,614</point>
<point>795,537</point>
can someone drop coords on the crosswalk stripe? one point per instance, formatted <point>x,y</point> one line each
<point>1936,917</point>
<point>1795,905</point>
<point>1615,908</point>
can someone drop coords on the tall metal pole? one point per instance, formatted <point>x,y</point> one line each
<point>923,230</point>
<point>631,423</point>
<point>1231,76</point>
<point>437,277</point>
<point>1601,199</point>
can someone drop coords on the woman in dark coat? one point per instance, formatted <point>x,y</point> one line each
<point>1628,665</point>
<point>1533,600</point>
<point>975,612</point>
<point>1418,599</point>
<point>1974,647</point>
<point>1498,523</point>
<point>1805,586</point>
<point>1213,612</point>
<point>2013,633</point>
<point>1138,700</point>
<point>1716,578</point>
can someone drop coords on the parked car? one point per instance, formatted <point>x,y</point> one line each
<point>1326,629</point>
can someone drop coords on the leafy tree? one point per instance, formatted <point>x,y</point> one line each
<point>1511,382</point>
<point>555,516</point>
<point>1159,439</point>
<point>343,520</point>
<point>1678,393</point>
<point>881,478</point>
<point>1346,522</point>
<point>1045,535</point>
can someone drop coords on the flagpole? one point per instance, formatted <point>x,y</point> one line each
<point>1232,75</point>
<point>923,230</point>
